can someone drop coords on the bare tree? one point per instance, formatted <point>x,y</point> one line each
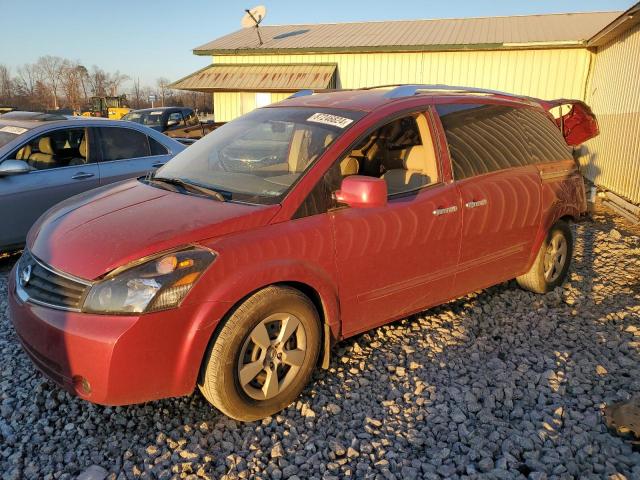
<point>163,85</point>
<point>83,75</point>
<point>115,81</point>
<point>98,80</point>
<point>136,93</point>
<point>71,80</point>
<point>6,85</point>
<point>52,68</point>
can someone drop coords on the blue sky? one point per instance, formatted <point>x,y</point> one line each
<point>149,39</point>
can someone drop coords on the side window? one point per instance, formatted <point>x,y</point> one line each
<point>122,143</point>
<point>544,137</point>
<point>483,138</point>
<point>55,149</point>
<point>400,152</point>
<point>157,148</point>
<point>177,118</point>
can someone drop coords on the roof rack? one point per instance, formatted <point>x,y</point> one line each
<point>302,93</point>
<point>410,90</point>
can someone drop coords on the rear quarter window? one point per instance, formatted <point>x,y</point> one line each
<point>483,138</point>
<point>545,139</point>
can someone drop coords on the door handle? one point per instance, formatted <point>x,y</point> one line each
<point>474,204</point>
<point>444,211</point>
<point>81,175</point>
<point>158,164</point>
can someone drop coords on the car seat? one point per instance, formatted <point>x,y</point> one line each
<point>82,150</point>
<point>44,158</point>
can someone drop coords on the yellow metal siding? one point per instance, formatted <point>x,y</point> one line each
<point>545,73</point>
<point>612,159</point>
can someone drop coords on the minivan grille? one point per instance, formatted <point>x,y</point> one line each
<point>43,285</point>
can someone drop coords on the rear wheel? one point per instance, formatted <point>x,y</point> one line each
<point>552,262</point>
<point>264,354</point>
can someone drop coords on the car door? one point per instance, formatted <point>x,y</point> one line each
<point>63,165</point>
<point>401,258</point>
<point>499,190</point>
<point>127,153</point>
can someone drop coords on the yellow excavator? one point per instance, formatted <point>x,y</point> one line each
<point>113,108</point>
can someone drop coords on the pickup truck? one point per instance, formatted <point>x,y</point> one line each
<point>176,122</point>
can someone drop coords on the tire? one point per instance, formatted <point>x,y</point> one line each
<point>540,279</point>
<point>242,367</point>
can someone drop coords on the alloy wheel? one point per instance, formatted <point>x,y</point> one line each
<point>271,356</point>
<point>555,257</point>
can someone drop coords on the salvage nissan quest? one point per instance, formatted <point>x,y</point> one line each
<point>239,263</point>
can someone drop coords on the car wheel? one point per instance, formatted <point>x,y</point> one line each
<point>263,355</point>
<point>552,262</point>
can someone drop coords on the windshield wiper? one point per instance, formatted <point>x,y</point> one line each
<point>190,186</point>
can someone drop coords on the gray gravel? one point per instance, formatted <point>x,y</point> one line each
<point>502,384</point>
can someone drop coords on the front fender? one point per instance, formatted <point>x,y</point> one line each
<point>231,285</point>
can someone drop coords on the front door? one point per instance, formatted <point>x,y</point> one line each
<point>401,258</point>
<point>62,167</point>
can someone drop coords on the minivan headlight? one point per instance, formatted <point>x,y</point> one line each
<point>156,284</point>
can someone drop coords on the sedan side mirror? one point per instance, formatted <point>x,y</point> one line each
<point>13,167</point>
<point>359,191</point>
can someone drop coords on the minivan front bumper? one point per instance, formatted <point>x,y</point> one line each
<point>116,359</point>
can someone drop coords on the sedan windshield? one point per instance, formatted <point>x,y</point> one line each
<point>258,157</point>
<point>150,119</point>
<point>9,133</point>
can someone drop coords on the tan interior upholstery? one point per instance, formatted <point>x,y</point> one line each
<point>83,148</point>
<point>44,158</point>
<point>420,164</point>
<point>349,166</point>
<point>24,153</point>
<point>299,150</point>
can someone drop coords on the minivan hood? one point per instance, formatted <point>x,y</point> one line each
<point>97,231</point>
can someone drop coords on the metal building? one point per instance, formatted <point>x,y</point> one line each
<point>539,55</point>
<point>587,56</point>
<point>612,159</point>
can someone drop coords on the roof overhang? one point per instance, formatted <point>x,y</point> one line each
<point>624,22</point>
<point>393,48</point>
<point>230,77</point>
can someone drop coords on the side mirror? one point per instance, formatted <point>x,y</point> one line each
<point>359,191</point>
<point>13,167</point>
<point>172,123</point>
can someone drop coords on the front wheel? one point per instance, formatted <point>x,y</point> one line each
<point>552,262</point>
<point>263,355</point>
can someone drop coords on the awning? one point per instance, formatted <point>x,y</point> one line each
<point>259,78</point>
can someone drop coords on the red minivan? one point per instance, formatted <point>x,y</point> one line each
<point>241,261</point>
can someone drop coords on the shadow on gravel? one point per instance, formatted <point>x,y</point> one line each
<point>499,384</point>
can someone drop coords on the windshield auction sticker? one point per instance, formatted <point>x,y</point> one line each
<point>14,130</point>
<point>328,119</point>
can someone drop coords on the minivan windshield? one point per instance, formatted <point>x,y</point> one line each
<point>258,157</point>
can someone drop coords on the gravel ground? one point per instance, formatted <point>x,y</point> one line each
<point>501,384</point>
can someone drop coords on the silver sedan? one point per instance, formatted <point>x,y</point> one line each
<point>47,158</point>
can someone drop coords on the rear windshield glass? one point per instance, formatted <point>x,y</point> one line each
<point>259,156</point>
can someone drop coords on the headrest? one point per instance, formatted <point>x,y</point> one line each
<point>44,145</point>
<point>349,166</point>
<point>83,147</point>
<point>416,159</point>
